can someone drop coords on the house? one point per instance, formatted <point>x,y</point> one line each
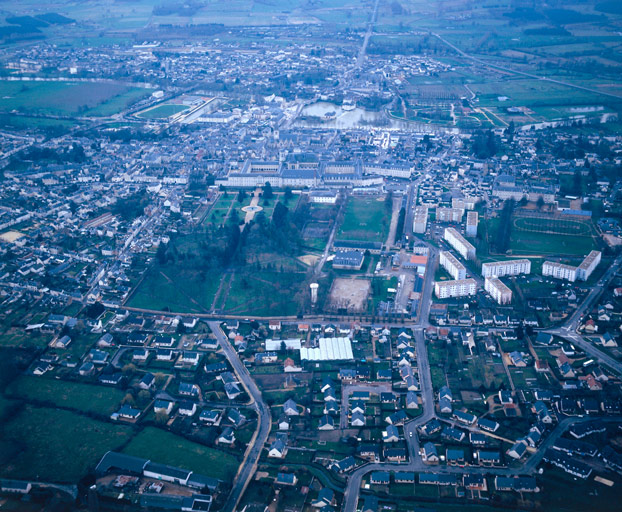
<point>453,434</point>
<point>544,338</point>
<point>505,397</point>
<point>291,408</point>
<point>164,354</point>
<point>516,483</point>
<point>326,423</point>
<point>274,325</point>
<point>391,434</point>
<point>357,419</point>
<point>475,482</point>
<point>438,479</point>
<point>187,408</point>
<point>163,406</point>
<point>412,401</point>
<point>277,449</point>
<point>394,454</point>
<point>164,341</point>
<point>454,456</point>
<point>112,379</point>
<point>431,427</point>
<point>286,479</point>
<point>129,412</point>
<point>568,464</point>
<point>429,454</point>
<point>344,465</point>
<point>140,355</point>
<point>488,457</point>
<point>488,425</point>
<point>477,439</point>
<point>404,477</point>
<point>580,430</point>
<point>63,342</point>
<point>232,390</point>
<point>464,417</point>
<point>325,498</point>
<point>518,449</point>
<point>542,411</point>
<point>147,382</point>
<point>210,417</point>
<point>397,418</point>
<point>188,389</point>
<point>86,369</point>
<point>105,341</point>
<point>283,422</point>
<point>227,436</point>
<point>517,359</point>
<point>380,478</point>
<point>98,356</point>
<point>369,451</point>
<point>331,408</point>
<point>14,486</point>
<point>235,417</point>
<point>357,406</point>
<point>370,504</point>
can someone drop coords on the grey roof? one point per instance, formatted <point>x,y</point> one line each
<point>170,471</point>
<point>114,460</point>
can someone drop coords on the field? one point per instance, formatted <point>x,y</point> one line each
<point>175,288</point>
<point>67,98</point>
<point>73,395</point>
<point>365,219</point>
<point>350,294</point>
<point>55,446</point>
<point>166,448</point>
<point>535,235</point>
<point>162,111</point>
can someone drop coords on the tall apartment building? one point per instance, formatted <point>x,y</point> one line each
<point>449,214</point>
<point>450,263</point>
<point>506,268</point>
<point>461,244</point>
<point>420,222</point>
<point>588,265</point>
<point>559,271</point>
<point>464,203</point>
<point>458,288</point>
<point>570,273</point>
<point>498,290</point>
<point>471,223</point>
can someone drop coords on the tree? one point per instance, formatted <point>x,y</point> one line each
<point>143,397</point>
<point>540,203</point>
<point>129,399</point>
<point>267,191</point>
<point>160,379</point>
<point>161,418</point>
<point>128,369</point>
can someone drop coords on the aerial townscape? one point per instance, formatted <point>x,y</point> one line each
<point>311,255</point>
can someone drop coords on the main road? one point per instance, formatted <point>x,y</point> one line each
<point>264,420</point>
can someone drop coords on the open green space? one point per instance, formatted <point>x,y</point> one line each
<point>73,395</point>
<point>365,219</point>
<point>55,445</point>
<point>163,111</point>
<point>166,448</point>
<point>175,288</point>
<point>67,98</point>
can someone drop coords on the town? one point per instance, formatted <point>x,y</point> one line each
<point>313,260</point>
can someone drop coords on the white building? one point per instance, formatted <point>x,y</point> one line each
<point>498,290</point>
<point>459,288</point>
<point>420,222</point>
<point>506,268</point>
<point>471,223</point>
<point>588,265</point>
<point>559,271</point>
<point>450,263</point>
<point>464,203</point>
<point>449,214</point>
<point>461,244</point>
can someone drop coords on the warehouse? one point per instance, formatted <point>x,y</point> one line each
<point>329,349</point>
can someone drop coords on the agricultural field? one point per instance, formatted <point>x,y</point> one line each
<point>365,219</point>
<point>54,445</point>
<point>67,99</point>
<point>72,395</point>
<point>166,448</point>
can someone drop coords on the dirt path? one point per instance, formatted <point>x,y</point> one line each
<point>395,213</point>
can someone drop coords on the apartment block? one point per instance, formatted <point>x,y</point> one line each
<point>506,268</point>
<point>459,243</point>
<point>588,265</point>
<point>498,290</point>
<point>559,271</point>
<point>420,222</point>
<point>450,263</point>
<point>458,288</point>
<point>471,223</point>
<point>449,214</point>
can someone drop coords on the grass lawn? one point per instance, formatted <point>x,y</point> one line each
<point>75,395</point>
<point>366,219</point>
<point>264,293</point>
<point>54,445</point>
<point>67,98</point>
<point>162,111</point>
<point>166,448</point>
<point>177,289</point>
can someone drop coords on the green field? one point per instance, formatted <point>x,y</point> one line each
<point>175,289</point>
<point>67,98</point>
<point>162,111</point>
<point>55,446</point>
<point>166,448</point>
<point>73,395</point>
<point>365,219</point>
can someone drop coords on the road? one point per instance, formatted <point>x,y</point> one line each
<point>370,28</point>
<point>264,420</point>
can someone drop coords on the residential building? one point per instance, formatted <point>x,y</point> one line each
<point>459,243</point>
<point>498,290</point>
<point>459,288</point>
<point>450,263</point>
<point>506,268</point>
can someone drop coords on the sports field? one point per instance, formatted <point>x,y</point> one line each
<point>366,219</point>
<point>547,235</point>
<point>163,111</point>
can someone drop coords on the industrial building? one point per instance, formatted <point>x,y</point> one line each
<point>329,349</point>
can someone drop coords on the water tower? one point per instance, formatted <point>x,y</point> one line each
<point>314,287</point>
